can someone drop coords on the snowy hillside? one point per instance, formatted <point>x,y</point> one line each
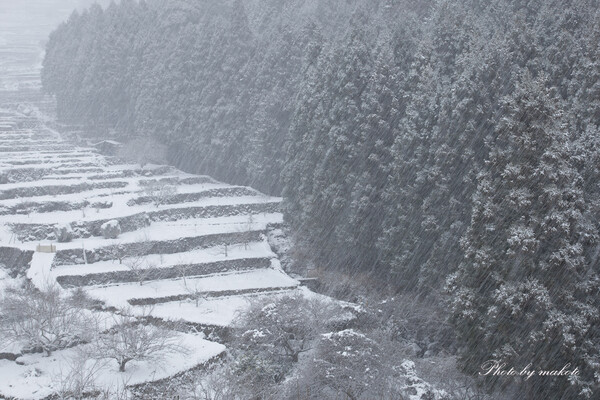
<point>154,241</point>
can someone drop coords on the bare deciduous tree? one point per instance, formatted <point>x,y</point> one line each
<point>139,266</point>
<point>159,192</point>
<point>182,269</point>
<point>116,252</point>
<point>225,249</point>
<point>43,319</point>
<point>193,289</point>
<point>217,384</point>
<point>288,325</point>
<point>249,228</point>
<point>79,380</point>
<point>271,337</point>
<point>129,340</point>
<point>196,293</point>
<point>349,363</point>
<point>137,261</point>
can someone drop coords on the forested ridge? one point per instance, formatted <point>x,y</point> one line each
<point>444,146</point>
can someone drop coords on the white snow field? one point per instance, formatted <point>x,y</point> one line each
<point>37,377</point>
<point>198,257</point>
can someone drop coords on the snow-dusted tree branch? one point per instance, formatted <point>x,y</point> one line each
<point>43,320</point>
<point>137,262</point>
<point>159,192</point>
<point>132,340</point>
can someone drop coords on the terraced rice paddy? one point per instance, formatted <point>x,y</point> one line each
<point>196,255</point>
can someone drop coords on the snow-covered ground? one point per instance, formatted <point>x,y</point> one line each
<point>227,274</point>
<point>124,211</point>
<point>36,376</point>
<point>167,230</point>
<point>120,295</point>
<point>47,183</point>
<point>212,254</point>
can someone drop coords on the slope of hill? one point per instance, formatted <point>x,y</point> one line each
<point>194,253</point>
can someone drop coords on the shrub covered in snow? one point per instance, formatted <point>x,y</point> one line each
<point>286,327</point>
<point>272,336</point>
<point>102,205</point>
<point>111,229</point>
<point>63,233</point>
<point>351,363</point>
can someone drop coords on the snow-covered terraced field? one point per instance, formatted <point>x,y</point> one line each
<point>196,251</point>
<point>36,377</point>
